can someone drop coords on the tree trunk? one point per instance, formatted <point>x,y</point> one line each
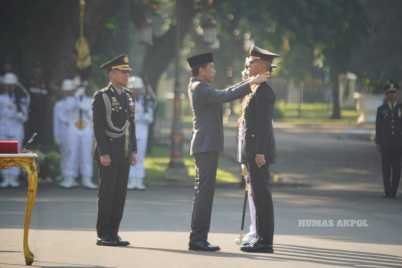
<point>336,107</point>
<point>162,52</point>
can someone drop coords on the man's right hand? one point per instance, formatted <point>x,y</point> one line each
<point>259,78</point>
<point>105,160</point>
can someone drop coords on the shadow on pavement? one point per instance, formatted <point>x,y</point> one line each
<point>288,253</point>
<point>44,264</point>
<point>10,251</point>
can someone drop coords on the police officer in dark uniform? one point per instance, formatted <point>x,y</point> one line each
<point>389,139</point>
<point>39,108</point>
<point>113,117</point>
<point>207,140</point>
<point>258,148</point>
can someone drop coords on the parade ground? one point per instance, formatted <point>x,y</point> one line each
<point>126,126</point>
<point>328,213</point>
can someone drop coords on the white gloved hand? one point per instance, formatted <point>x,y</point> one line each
<point>148,118</point>
<point>80,92</point>
<point>20,116</point>
<point>83,105</point>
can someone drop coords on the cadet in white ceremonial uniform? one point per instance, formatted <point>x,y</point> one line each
<point>74,134</point>
<point>60,127</point>
<point>80,136</point>
<point>252,233</point>
<point>14,103</point>
<point>144,112</point>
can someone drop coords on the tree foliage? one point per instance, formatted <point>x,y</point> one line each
<point>313,36</point>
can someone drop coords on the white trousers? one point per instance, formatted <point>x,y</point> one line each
<point>138,171</point>
<point>18,134</point>
<point>251,206</point>
<point>78,153</point>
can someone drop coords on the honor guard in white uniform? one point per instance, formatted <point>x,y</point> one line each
<point>73,125</point>
<point>81,136</point>
<point>61,124</point>
<point>14,103</point>
<point>144,112</point>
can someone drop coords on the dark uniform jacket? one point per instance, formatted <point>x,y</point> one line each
<point>113,117</point>
<point>206,104</point>
<point>389,126</point>
<point>258,135</point>
<point>38,120</point>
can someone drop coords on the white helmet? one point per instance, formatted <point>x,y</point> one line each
<point>10,79</point>
<point>135,82</point>
<point>68,85</point>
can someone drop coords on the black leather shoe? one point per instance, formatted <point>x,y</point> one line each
<point>106,242</point>
<point>202,246</point>
<point>258,246</point>
<point>122,243</point>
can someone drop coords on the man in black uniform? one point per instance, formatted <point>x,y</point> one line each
<point>113,115</point>
<point>207,141</point>
<point>258,148</point>
<point>38,120</point>
<point>389,140</point>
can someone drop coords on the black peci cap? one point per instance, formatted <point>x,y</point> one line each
<point>200,59</point>
<point>117,63</point>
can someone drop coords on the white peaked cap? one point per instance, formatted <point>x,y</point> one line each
<point>10,79</point>
<point>68,85</point>
<point>135,82</point>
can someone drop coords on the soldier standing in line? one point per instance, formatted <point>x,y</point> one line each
<point>113,121</point>
<point>61,123</point>
<point>389,140</point>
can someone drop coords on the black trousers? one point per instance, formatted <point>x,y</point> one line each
<point>112,192</point>
<point>391,169</point>
<point>260,185</point>
<point>206,165</point>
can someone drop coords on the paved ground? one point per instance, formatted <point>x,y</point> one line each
<point>339,181</point>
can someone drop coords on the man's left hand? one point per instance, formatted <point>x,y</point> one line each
<point>134,159</point>
<point>260,160</point>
